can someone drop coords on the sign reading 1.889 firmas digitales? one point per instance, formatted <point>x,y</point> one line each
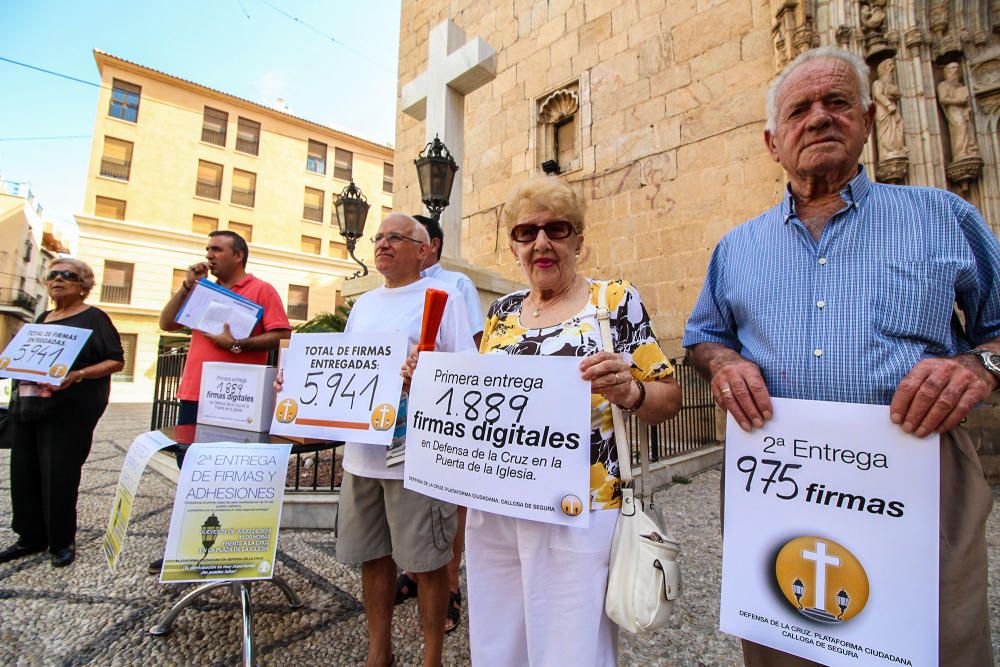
<point>830,548</point>
<point>503,434</point>
<point>341,386</point>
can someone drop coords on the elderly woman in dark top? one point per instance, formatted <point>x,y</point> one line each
<point>51,443</point>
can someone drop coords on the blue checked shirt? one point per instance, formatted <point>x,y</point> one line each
<point>847,317</point>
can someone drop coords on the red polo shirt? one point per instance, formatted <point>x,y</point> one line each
<point>202,349</point>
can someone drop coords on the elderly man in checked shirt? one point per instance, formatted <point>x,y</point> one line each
<point>845,291</point>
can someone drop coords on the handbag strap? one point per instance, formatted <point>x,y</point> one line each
<point>621,439</point>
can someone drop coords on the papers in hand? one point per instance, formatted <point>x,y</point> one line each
<point>210,306</point>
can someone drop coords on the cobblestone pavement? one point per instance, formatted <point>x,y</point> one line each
<point>81,615</point>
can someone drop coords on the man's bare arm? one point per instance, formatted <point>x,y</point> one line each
<point>737,384</point>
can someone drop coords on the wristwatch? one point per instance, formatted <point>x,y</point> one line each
<point>990,360</point>
<point>236,348</point>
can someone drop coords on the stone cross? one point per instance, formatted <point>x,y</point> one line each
<point>822,560</point>
<point>455,68</point>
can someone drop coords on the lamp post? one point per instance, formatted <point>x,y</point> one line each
<point>351,208</point>
<point>843,599</point>
<point>436,175</point>
<point>209,533</point>
<point>798,588</point>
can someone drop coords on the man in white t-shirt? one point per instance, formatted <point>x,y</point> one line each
<point>405,586</point>
<point>380,524</point>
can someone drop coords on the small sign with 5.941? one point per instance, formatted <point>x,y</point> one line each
<point>42,352</point>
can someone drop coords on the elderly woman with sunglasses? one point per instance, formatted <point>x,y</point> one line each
<point>536,590</point>
<point>51,444</point>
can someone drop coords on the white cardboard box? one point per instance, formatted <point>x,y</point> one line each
<point>237,395</point>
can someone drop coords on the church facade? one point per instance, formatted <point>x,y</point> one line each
<point>655,110</point>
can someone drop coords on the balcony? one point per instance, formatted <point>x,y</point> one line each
<point>18,298</point>
<point>113,169</point>
<point>215,137</point>
<point>298,311</point>
<point>314,213</point>
<point>116,293</point>
<point>209,190</point>
<point>251,146</point>
<point>243,197</point>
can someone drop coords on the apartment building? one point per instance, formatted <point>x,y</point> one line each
<point>172,160</point>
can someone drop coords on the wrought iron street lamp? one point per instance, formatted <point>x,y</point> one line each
<point>436,174</point>
<point>798,588</point>
<point>209,533</point>
<point>351,208</point>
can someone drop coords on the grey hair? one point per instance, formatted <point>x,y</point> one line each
<point>854,61</point>
<point>81,267</point>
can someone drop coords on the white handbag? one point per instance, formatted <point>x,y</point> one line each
<point>643,576</point>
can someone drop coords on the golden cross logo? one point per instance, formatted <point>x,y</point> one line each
<point>286,411</point>
<point>571,505</point>
<point>58,370</point>
<point>821,579</point>
<point>383,417</point>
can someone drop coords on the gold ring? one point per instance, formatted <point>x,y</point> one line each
<point>725,390</point>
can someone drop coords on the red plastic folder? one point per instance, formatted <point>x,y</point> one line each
<point>434,303</point>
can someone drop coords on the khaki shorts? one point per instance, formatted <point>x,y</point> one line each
<point>378,517</point>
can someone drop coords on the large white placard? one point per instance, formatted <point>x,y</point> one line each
<point>42,352</point>
<point>503,434</point>
<point>831,536</point>
<point>341,386</point>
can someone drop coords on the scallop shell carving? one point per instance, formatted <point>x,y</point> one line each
<point>558,105</point>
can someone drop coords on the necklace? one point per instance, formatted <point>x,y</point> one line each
<point>540,307</point>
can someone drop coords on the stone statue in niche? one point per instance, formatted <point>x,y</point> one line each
<point>888,120</point>
<point>873,26</point>
<point>953,95</point>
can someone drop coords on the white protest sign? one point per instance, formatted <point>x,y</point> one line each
<point>502,434</point>
<point>138,455</point>
<point>227,510</point>
<point>42,352</point>
<point>341,386</point>
<point>830,548</point>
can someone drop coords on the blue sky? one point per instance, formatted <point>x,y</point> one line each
<point>244,47</point>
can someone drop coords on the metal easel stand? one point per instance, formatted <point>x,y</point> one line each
<point>241,591</point>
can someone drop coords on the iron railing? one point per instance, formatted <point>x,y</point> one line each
<point>115,169</point>
<point>215,137</point>
<point>116,293</point>
<point>208,190</point>
<point>694,426</point>
<point>250,146</point>
<point>298,311</point>
<point>243,197</point>
<point>18,298</point>
<point>314,213</point>
<point>166,405</point>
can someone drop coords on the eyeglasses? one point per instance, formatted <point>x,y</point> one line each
<point>555,230</point>
<point>393,238</point>
<point>65,275</point>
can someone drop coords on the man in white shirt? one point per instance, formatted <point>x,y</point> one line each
<point>406,587</point>
<point>380,524</point>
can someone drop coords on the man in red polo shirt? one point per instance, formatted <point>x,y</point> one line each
<point>226,255</point>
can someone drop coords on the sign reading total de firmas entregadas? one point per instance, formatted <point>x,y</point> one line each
<point>830,548</point>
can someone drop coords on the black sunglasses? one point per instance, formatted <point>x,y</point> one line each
<point>555,230</point>
<point>65,275</point>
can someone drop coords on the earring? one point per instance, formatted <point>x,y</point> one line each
<point>518,262</point>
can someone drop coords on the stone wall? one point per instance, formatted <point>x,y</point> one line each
<point>671,149</point>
